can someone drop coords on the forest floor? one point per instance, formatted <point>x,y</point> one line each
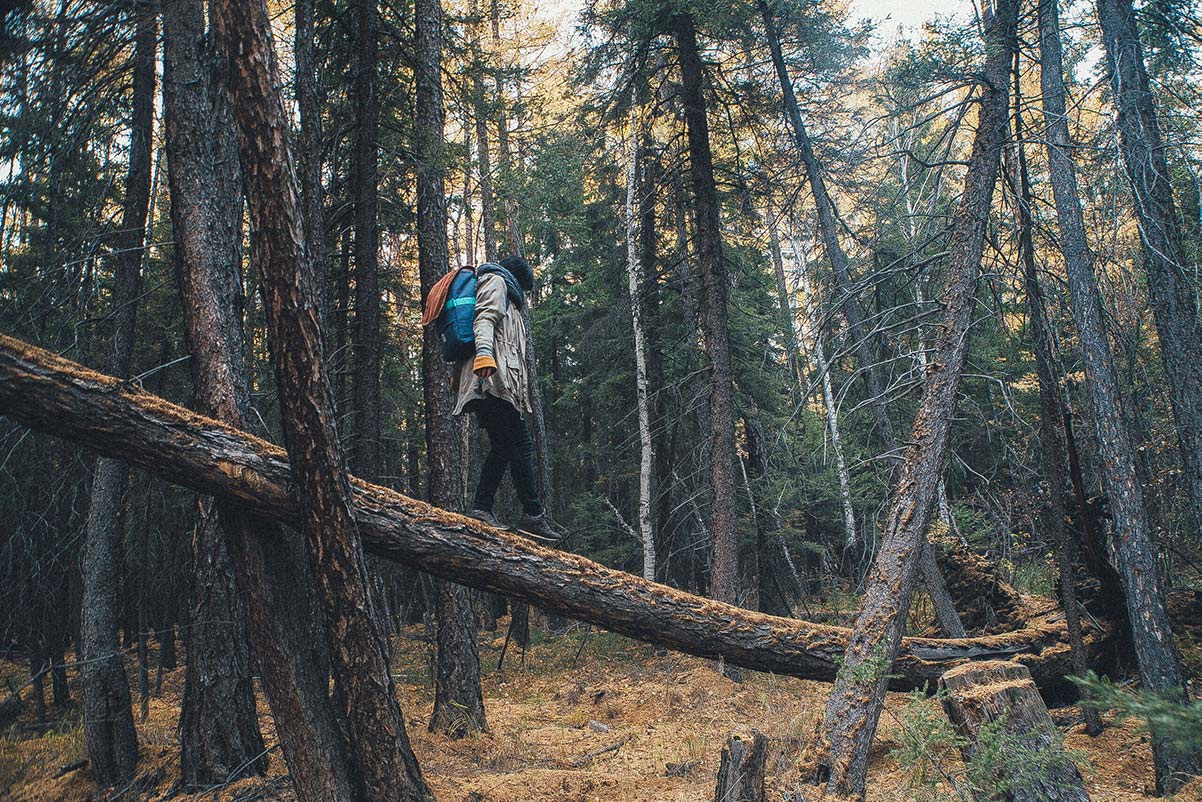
<point>663,716</point>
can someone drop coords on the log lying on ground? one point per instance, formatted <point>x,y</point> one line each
<point>995,706</point>
<point>64,399</point>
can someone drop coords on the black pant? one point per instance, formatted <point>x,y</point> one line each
<point>509,446</point>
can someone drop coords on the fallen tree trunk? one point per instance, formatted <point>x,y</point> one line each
<point>114,418</point>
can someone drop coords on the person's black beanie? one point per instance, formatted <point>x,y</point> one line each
<point>520,269</point>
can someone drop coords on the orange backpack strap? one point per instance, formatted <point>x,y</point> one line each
<point>437,297</point>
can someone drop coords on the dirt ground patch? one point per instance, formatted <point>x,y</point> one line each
<point>654,723</point>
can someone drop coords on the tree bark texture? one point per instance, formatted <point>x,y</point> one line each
<point>942,602</point>
<point>108,724</point>
<point>741,769</point>
<point>458,701</point>
<point>57,396</point>
<point>646,454</point>
<point>488,220</point>
<point>1052,449</point>
<point>366,334</point>
<point>386,768</point>
<point>724,555</point>
<point>309,153</point>
<point>998,701</point>
<point>219,726</point>
<point>1155,647</point>
<point>1170,286</point>
<point>855,704</point>
<point>1160,666</point>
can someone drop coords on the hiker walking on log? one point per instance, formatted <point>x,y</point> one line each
<point>480,327</point>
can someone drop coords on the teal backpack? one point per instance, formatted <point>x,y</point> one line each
<point>456,322</point>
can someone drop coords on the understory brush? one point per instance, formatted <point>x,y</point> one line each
<point>930,751</point>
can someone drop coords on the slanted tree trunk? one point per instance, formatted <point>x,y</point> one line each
<point>57,396</point>
<point>108,722</point>
<point>724,559</point>
<point>1170,287</point>
<point>219,729</point>
<point>998,701</point>
<point>385,767</point>
<point>865,341</point>
<point>942,602</point>
<point>646,454</point>
<point>458,702</point>
<point>903,163</point>
<point>854,707</point>
<point>1051,423</point>
<point>986,603</point>
<point>1155,646</point>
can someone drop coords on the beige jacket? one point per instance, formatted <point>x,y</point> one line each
<point>498,326</point>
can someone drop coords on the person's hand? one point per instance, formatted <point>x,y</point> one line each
<point>484,365</point>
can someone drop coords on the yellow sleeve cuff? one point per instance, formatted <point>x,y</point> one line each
<point>483,361</point>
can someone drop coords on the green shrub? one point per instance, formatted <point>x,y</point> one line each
<point>1178,723</point>
<point>929,747</point>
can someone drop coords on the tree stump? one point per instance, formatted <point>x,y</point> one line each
<point>1017,750</point>
<point>741,773</point>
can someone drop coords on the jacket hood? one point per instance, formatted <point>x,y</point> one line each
<point>521,271</point>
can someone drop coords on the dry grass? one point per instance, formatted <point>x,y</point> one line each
<point>666,708</point>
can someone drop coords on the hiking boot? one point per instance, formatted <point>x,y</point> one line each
<point>486,517</point>
<point>538,527</point>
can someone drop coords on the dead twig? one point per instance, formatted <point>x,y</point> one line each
<point>587,758</point>
<point>70,767</point>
